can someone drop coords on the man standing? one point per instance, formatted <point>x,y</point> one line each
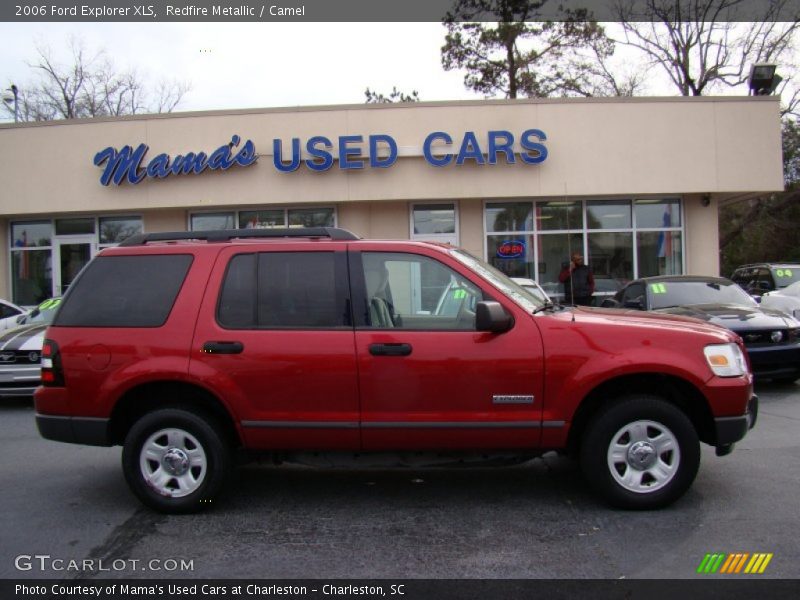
<point>578,281</point>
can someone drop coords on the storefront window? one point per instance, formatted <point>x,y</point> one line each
<point>434,218</point>
<point>604,214</point>
<point>31,276</point>
<point>212,221</point>
<point>538,244</point>
<point>114,230</point>
<point>555,250</point>
<point>551,216</point>
<point>611,259</point>
<point>34,233</point>
<point>652,214</point>
<point>75,226</point>
<point>311,217</point>
<point>511,254</point>
<point>509,216</point>
<point>659,253</point>
<point>262,219</point>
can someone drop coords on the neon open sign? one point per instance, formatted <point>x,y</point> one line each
<point>511,249</point>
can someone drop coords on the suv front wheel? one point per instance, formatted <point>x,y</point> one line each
<point>640,453</point>
<point>175,460</point>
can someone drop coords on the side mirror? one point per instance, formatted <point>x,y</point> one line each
<point>491,316</point>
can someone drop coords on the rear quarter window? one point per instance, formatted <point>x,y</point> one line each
<point>124,291</point>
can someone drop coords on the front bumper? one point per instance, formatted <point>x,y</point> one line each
<point>730,430</point>
<point>780,361</point>
<point>90,431</point>
<point>19,380</point>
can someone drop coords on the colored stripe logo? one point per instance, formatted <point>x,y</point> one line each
<point>734,564</point>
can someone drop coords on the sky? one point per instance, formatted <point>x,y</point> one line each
<point>243,65</point>
<point>256,64</point>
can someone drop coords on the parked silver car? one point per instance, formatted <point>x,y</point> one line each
<point>21,351</point>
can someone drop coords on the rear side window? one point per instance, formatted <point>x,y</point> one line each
<point>125,291</point>
<point>280,290</point>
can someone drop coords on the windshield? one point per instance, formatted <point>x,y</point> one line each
<point>497,278</point>
<point>792,290</point>
<point>43,313</point>
<point>536,292</point>
<point>785,276</point>
<point>667,294</point>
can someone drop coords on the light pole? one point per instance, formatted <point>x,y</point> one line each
<point>8,100</point>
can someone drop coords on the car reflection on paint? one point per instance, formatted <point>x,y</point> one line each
<point>534,288</point>
<point>771,337</point>
<point>21,351</point>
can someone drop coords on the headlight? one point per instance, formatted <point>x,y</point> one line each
<point>726,360</point>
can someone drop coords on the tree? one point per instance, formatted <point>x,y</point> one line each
<point>373,97</point>
<point>765,229</point>
<point>520,54</point>
<point>89,86</point>
<point>704,46</point>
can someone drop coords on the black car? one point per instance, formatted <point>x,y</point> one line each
<point>772,338</point>
<point>758,279</point>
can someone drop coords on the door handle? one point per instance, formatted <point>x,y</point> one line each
<point>223,347</point>
<point>390,349</point>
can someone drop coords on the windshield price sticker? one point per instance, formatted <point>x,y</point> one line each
<point>658,288</point>
<point>783,272</point>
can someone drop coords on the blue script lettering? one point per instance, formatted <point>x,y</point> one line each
<point>125,164</point>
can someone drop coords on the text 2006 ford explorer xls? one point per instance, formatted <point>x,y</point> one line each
<point>190,348</point>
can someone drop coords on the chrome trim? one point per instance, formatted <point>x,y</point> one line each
<point>302,424</point>
<point>512,399</point>
<point>405,424</point>
<point>450,424</point>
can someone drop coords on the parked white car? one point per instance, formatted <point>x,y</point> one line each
<point>786,300</point>
<point>9,313</point>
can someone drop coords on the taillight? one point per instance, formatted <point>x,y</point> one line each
<point>52,372</point>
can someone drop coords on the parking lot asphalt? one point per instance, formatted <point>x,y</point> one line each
<point>537,520</point>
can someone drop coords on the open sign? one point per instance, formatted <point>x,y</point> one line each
<point>511,249</point>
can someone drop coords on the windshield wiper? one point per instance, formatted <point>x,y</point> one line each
<point>546,306</point>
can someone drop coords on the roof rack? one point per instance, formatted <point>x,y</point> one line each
<point>226,235</point>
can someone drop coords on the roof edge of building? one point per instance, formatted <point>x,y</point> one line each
<point>393,106</point>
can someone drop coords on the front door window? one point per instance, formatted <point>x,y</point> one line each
<point>71,257</point>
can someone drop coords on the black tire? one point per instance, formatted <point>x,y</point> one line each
<point>657,454</point>
<point>195,460</point>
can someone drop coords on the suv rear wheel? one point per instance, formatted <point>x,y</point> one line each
<point>640,453</point>
<point>176,460</point>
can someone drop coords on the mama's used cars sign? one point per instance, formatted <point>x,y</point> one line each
<point>320,153</point>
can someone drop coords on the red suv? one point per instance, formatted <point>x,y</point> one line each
<point>191,348</point>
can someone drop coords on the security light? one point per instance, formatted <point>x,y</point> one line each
<point>763,80</point>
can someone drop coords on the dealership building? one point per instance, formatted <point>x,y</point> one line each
<point>634,184</point>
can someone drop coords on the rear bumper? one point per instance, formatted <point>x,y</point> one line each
<point>90,431</point>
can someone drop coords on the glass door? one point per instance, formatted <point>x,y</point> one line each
<point>70,257</point>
